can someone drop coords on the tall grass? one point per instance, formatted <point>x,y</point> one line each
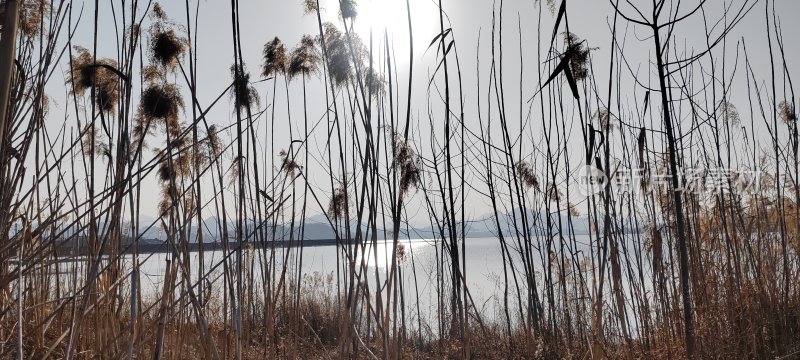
<point>668,271</point>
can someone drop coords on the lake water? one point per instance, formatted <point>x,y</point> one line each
<point>484,271</point>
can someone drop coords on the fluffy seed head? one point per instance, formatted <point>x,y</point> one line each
<point>244,95</point>
<point>374,81</point>
<point>787,113</point>
<point>87,74</point>
<point>406,163</point>
<point>310,6</point>
<point>528,176</point>
<point>304,58</point>
<point>161,103</point>
<point>274,56</point>
<point>338,203</point>
<point>579,56</point>
<point>338,52</point>
<point>166,48</point>
<point>348,9</point>
<point>729,113</point>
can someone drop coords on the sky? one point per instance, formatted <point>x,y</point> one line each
<point>471,21</point>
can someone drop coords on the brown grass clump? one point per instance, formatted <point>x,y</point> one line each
<point>494,342</point>
<point>319,310</point>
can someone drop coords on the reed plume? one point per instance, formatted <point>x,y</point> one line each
<point>729,113</point>
<point>348,9</point>
<point>310,6</point>
<point>304,59</point>
<point>274,58</point>
<point>32,13</point>
<point>161,102</point>
<point>166,47</point>
<point>787,113</point>
<point>288,165</point>
<point>527,174</point>
<point>406,163</point>
<point>244,94</point>
<point>374,81</point>
<point>338,56</point>
<point>338,203</point>
<point>97,76</point>
<point>578,53</point>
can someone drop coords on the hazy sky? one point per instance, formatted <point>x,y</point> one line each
<point>472,24</point>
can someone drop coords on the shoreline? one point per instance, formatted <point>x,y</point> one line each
<point>163,247</point>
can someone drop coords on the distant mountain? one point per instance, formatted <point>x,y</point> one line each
<point>487,225</point>
<point>318,228</point>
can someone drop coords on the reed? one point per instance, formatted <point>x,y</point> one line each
<point>665,270</point>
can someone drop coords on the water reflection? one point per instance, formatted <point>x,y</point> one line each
<point>380,255</point>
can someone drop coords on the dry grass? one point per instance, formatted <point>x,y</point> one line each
<point>68,196</point>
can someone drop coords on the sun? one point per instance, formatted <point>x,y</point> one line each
<point>391,15</point>
<point>374,17</point>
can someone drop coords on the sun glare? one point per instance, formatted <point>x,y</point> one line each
<point>375,16</point>
<point>379,14</point>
